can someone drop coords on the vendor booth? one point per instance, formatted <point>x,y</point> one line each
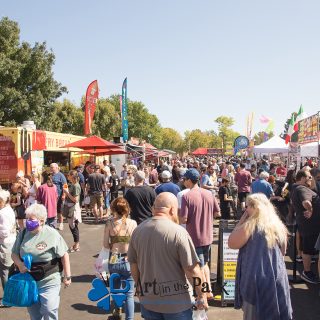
<point>273,145</point>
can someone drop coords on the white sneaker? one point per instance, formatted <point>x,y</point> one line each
<point>60,226</point>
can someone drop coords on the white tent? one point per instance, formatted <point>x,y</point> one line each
<point>309,149</point>
<point>273,145</point>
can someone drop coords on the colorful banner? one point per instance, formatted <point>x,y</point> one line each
<point>125,134</point>
<point>308,130</point>
<point>92,95</point>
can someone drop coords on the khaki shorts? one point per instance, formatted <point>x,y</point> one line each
<point>96,199</point>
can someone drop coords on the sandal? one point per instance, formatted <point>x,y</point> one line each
<point>73,249</point>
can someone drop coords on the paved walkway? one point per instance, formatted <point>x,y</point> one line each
<point>75,304</point>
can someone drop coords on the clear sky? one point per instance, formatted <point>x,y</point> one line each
<point>187,61</point>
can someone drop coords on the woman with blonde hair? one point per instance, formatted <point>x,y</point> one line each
<point>117,234</point>
<point>262,288</point>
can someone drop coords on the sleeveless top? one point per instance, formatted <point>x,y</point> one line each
<point>119,239</point>
<point>261,280</point>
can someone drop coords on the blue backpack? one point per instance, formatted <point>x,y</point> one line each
<point>21,289</point>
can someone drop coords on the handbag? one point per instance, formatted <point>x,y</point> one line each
<point>68,211</point>
<point>21,289</point>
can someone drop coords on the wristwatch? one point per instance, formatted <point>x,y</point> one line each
<point>67,278</point>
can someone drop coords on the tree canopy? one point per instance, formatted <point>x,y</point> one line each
<point>27,87</point>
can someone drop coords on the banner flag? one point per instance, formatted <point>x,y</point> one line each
<point>299,117</point>
<point>92,95</point>
<point>120,107</point>
<point>124,111</point>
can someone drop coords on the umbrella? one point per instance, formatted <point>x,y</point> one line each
<point>92,142</point>
<point>109,151</point>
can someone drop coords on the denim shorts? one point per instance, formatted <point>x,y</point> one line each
<point>203,254</point>
<point>151,315</point>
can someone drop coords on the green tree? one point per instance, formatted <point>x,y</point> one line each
<point>65,117</point>
<point>142,124</point>
<point>260,136</point>
<point>225,132</point>
<point>27,87</point>
<point>196,139</point>
<point>172,140</point>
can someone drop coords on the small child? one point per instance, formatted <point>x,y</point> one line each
<point>225,199</point>
<point>16,203</point>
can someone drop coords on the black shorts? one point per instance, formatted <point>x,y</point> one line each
<point>59,205</point>
<point>307,244</point>
<point>243,196</point>
<point>20,212</point>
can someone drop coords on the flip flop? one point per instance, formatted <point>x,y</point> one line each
<point>72,249</point>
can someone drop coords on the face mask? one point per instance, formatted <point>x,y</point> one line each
<point>32,224</point>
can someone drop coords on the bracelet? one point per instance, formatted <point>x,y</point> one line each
<point>67,278</point>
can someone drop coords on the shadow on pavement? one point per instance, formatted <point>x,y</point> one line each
<point>83,278</point>
<point>88,308</point>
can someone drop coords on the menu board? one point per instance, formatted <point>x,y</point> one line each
<point>228,264</point>
<point>308,130</point>
<point>8,160</point>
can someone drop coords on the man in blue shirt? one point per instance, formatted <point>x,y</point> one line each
<point>167,185</point>
<point>59,180</point>
<point>262,185</point>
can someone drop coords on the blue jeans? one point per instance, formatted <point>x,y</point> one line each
<point>107,200</point>
<point>48,306</point>
<point>151,315</point>
<point>203,255</point>
<point>123,270</point>
<point>52,222</point>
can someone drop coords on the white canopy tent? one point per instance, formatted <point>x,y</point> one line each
<point>273,145</point>
<point>309,149</point>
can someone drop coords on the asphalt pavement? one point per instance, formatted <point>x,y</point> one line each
<point>76,305</point>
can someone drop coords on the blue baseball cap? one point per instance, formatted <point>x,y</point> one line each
<point>192,174</point>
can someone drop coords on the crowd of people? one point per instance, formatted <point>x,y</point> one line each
<point>159,227</point>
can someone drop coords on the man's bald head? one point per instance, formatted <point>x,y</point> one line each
<point>166,203</point>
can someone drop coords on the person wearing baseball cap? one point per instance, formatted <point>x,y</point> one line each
<point>198,209</point>
<point>167,185</point>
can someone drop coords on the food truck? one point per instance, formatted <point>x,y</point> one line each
<point>30,150</point>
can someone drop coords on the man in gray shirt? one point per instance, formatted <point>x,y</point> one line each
<point>162,258</point>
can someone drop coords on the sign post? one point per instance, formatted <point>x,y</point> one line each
<point>227,263</point>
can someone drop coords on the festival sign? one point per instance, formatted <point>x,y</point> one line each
<point>228,263</point>
<point>241,142</point>
<point>309,129</point>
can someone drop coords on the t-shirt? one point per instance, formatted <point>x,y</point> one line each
<point>262,186</point>
<point>59,180</point>
<point>299,194</point>
<point>44,246</point>
<point>243,180</point>
<point>141,199</point>
<point>162,249</point>
<point>222,191</point>
<point>48,196</point>
<point>75,191</point>
<point>199,206</point>
<point>96,182</point>
<point>168,187</point>
<point>115,183</point>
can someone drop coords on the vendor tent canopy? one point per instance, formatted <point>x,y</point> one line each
<point>309,150</point>
<point>273,145</point>
<point>200,152</point>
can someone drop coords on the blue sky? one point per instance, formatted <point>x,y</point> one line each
<point>187,61</point>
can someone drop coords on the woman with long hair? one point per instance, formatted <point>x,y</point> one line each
<point>32,192</point>
<point>262,288</point>
<point>117,234</point>
<point>72,206</point>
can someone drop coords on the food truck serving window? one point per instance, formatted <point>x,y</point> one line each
<point>61,158</point>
